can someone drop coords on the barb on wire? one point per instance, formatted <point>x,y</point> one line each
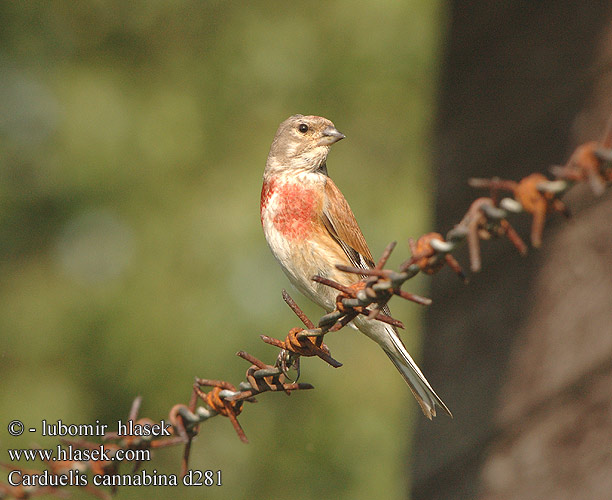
<point>486,218</point>
<point>590,162</point>
<point>430,253</point>
<point>484,221</point>
<point>296,344</point>
<point>534,194</point>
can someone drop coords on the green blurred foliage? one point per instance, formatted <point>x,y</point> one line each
<point>133,137</point>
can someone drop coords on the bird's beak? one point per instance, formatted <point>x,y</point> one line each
<point>330,135</point>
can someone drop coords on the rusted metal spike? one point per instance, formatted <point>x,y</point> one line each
<point>135,408</point>
<point>385,255</point>
<point>185,459</point>
<point>454,265</point>
<point>296,309</point>
<point>214,383</point>
<point>363,272</point>
<point>234,420</point>
<point>333,284</point>
<point>417,299</point>
<point>273,341</point>
<point>251,359</point>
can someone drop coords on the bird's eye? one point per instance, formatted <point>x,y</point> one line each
<point>303,128</point>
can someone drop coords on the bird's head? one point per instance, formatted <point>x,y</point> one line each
<point>302,143</point>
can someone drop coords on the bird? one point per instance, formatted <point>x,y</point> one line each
<point>310,227</point>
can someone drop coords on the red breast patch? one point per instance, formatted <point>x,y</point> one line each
<point>266,192</point>
<point>293,212</point>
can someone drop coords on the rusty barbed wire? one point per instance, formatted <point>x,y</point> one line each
<point>487,217</point>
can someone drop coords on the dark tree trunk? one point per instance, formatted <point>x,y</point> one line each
<point>522,355</point>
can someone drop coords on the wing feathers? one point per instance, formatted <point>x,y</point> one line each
<point>339,220</point>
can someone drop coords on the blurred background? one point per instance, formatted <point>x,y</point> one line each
<point>133,139</point>
<point>523,354</point>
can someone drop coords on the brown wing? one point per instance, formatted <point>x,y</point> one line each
<point>339,220</point>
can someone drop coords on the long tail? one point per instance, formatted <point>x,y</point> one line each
<point>387,337</point>
<point>420,387</point>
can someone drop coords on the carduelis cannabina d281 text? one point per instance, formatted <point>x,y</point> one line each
<point>310,228</point>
